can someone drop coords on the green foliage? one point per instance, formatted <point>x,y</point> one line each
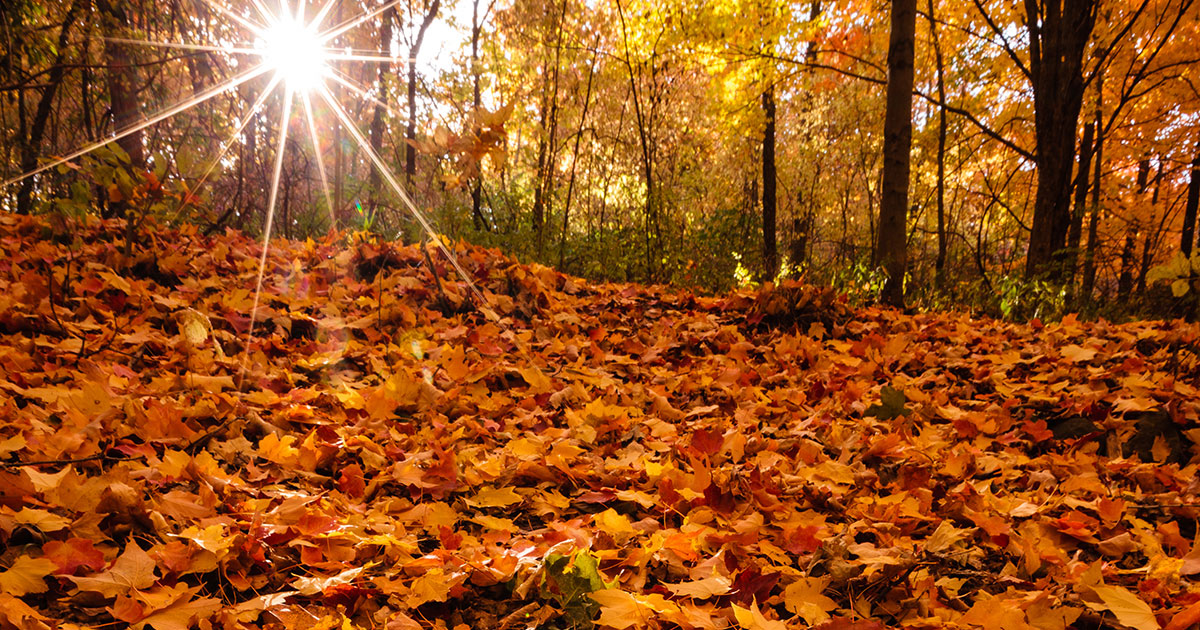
<point>891,405</point>
<point>1181,272</point>
<point>1022,298</point>
<point>861,281</point>
<point>568,580</point>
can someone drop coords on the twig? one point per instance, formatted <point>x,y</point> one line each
<point>207,436</point>
<point>62,462</point>
<point>438,279</point>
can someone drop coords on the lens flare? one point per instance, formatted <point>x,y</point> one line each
<point>296,52</point>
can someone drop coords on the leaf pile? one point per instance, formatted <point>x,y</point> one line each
<point>379,455</point>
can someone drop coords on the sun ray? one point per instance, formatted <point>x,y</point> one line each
<point>322,14</point>
<point>250,25</point>
<point>227,144</point>
<point>366,58</point>
<point>404,197</point>
<point>266,13</point>
<point>271,199</point>
<point>353,22</point>
<point>162,115</point>
<point>183,46</point>
<point>316,142</point>
<point>359,90</point>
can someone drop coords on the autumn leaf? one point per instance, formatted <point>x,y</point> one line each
<point>1129,609</point>
<point>25,575</point>
<point>620,609</point>
<point>752,619</point>
<point>702,589</point>
<point>73,554</point>
<point>804,598</point>
<point>133,569</point>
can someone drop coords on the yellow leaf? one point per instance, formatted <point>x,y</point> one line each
<point>752,619</point>
<point>1180,287</point>
<point>1078,354</point>
<point>539,383</point>
<point>615,524</point>
<point>619,609</point>
<point>314,585</point>
<point>133,570</point>
<point>701,589</point>
<point>945,536</point>
<point>495,497</point>
<point>25,576</point>
<point>1129,608</point>
<point>496,524</point>
<point>179,616</point>
<point>40,520</point>
<point>803,597</point>
<point>431,587</point>
<point>193,326</point>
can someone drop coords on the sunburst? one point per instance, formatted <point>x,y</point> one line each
<point>296,50</point>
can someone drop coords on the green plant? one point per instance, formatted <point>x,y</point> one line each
<point>1182,272</point>
<point>568,579</point>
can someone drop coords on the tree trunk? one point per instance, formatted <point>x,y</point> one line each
<point>1075,234</point>
<point>892,242</point>
<point>122,83</point>
<point>1059,31</point>
<point>375,183</point>
<point>1125,279</point>
<point>1188,235</point>
<point>476,103</point>
<point>1088,283</point>
<point>37,131</point>
<point>939,263</point>
<point>770,247</point>
<point>410,132</point>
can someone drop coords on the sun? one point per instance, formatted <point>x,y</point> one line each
<point>296,52</point>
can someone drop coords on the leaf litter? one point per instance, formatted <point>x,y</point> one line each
<point>379,455</point>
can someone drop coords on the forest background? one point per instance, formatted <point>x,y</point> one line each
<point>1054,162</point>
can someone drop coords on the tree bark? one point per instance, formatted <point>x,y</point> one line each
<point>1188,236</point>
<point>122,84</point>
<point>375,186</point>
<point>939,263</point>
<point>476,103</point>
<point>1088,283</point>
<point>37,130</point>
<point>410,132</point>
<point>769,201</point>
<point>1075,234</point>
<point>892,242</point>
<point>1058,32</point>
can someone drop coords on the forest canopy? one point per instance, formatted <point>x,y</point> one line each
<point>1054,155</point>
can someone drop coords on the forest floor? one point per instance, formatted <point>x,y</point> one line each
<point>381,455</point>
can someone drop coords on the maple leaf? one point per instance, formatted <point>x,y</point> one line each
<point>804,598</point>
<point>995,613</point>
<point>180,615</point>
<point>1129,609</point>
<point>752,619</point>
<point>314,585</point>
<point>25,575</point>
<point>73,554</point>
<point>620,609</point>
<point>702,589</point>
<point>133,569</point>
<point>495,497</point>
<point>891,404</point>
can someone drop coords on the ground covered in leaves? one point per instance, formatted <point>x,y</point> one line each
<point>381,455</point>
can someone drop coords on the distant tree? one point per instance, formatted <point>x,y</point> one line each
<point>891,250</point>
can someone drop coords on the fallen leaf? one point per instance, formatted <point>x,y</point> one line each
<point>26,576</point>
<point>1129,609</point>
